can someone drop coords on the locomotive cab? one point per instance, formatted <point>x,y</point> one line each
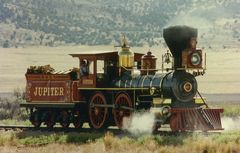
<point>102,67</point>
<point>99,64</point>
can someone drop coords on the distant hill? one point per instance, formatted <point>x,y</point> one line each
<point>102,22</point>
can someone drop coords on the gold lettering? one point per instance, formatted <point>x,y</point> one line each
<point>44,91</point>
<point>48,92</point>
<point>52,91</point>
<point>61,92</point>
<point>35,92</point>
<point>40,91</point>
<point>56,91</point>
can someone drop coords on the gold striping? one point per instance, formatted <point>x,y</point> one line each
<point>130,84</point>
<point>119,83</point>
<point>125,83</point>
<point>113,88</point>
<point>152,80</point>
<point>50,102</point>
<point>143,81</point>
<point>160,85</point>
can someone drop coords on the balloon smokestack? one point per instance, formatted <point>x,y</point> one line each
<point>178,39</point>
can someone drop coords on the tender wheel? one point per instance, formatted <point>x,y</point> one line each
<point>35,119</point>
<point>64,119</point>
<point>50,119</point>
<point>97,114</point>
<point>77,121</point>
<point>123,108</point>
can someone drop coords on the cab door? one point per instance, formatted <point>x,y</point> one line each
<point>88,80</point>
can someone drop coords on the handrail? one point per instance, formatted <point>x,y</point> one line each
<point>146,69</point>
<point>202,99</point>
<point>184,68</point>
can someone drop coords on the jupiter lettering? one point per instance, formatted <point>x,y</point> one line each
<point>47,91</point>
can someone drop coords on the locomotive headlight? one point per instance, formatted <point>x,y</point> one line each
<point>196,59</point>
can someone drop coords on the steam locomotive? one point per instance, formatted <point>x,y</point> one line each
<point>118,83</point>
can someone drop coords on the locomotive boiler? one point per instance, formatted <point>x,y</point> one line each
<point>117,83</point>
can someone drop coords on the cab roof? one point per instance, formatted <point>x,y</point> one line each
<point>103,55</point>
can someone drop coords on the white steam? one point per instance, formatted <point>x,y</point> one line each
<point>231,123</point>
<point>143,123</point>
<point>139,123</point>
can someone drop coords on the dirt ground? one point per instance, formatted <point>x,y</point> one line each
<point>120,146</point>
<point>55,148</point>
<point>222,75</point>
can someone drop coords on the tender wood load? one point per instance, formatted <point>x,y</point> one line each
<point>46,69</point>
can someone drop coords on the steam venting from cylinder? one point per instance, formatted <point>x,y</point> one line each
<point>178,39</point>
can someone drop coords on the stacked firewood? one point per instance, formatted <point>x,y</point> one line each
<point>74,69</point>
<point>74,73</point>
<point>46,69</point>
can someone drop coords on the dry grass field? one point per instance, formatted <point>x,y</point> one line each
<point>29,142</point>
<point>222,75</point>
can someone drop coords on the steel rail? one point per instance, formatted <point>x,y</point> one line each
<point>115,131</point>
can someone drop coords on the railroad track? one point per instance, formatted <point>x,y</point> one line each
<point>57,129</point>
<point>115,131</point>
<point>14,127</point>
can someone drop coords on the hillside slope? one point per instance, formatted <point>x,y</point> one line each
<point>101,22</point>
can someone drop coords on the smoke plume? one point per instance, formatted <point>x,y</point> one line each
<point>139,123</point>
<point>231,123</point>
